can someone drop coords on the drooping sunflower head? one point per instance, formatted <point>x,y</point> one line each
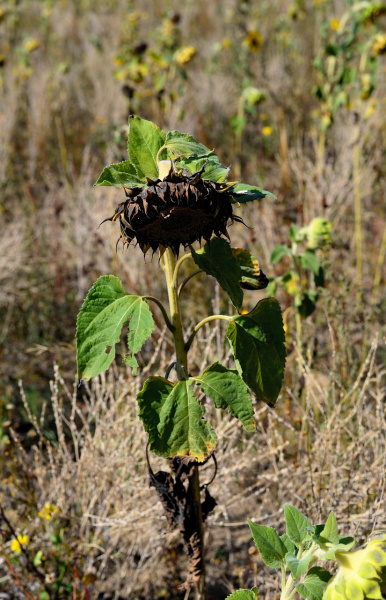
<point>175,211</point>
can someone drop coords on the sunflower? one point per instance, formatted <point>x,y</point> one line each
<point>175,211</point>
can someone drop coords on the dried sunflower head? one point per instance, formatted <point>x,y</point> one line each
<point>175,211</point>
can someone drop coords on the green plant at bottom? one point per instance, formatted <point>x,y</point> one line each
<point>360,574</point>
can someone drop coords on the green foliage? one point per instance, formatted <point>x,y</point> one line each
<point>227,390</point>
<point>296,552</point>
<point>305,278</point>
<point>171,413</point>
<point>257,341</point>
<point>172,417</point>
<point>216,259</point>
<point>105,310</point>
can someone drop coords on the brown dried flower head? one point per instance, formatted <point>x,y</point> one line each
<point>175,211</point>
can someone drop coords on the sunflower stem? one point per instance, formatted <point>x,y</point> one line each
<point>193,497</point>
<point>169,266</point>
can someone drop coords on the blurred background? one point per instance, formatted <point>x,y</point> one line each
<point>292,95</point>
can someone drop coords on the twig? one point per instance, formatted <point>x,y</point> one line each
<point>19,582</point>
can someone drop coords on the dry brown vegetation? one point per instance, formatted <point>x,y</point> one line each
<point>65,99</point>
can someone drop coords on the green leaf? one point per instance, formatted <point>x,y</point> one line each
<point>330,531</point>
<point>173,419</point>
<point>216,259</point>
<point>184,145</point>
<point>314,584</point>
<point>243,193</point>
<point>269,545</point>
<point>141,328</point>
<point>145,140</point>
<point>105,310</point>
<point>252,277</point>
<point>308,260</point>
<point>243,595</point>
<point>278,252</point>
<point>257,340</point>
<point>296,566</point>
<point>227,390</point>
<point>288,544</point>
<point>297,525</point>
<point>214,170</point>
<point>118,174</point>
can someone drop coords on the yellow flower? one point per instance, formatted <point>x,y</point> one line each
<point>379,44</point>
<point>16,544</point>
<point>254,41</point>
<point>48,511</point>
<point>226,43</point>
<point>359,573</point>
<point>185,55</point>
<point>267,130</point>
<point>31,44</point>
<point>334,24</point>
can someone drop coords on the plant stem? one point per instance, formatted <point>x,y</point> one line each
<point>193,500</point>
<point>169,263</point>
<point>200,324</point>
<point>357,213</point>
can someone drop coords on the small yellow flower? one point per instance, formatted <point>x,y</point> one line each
<point>31,44</point>
<point>16,544</point>
<point>267,130</point>
<point>226,43</point>
<point>334,24</point>
<point>254,41</point>
<point>48,511</point>
<point>185,55</point>
<point>379,44</point>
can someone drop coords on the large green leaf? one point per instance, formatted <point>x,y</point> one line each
<point>173,419</point>
<point>105,310</point>
<point>214,170</point>
<point>298,527</point>
<point>257,340</point>
<point>118,174</point>
<point>269,544</point>
<point>227,390</point>
<point>145,140</point>
<point>314,584</point>
<point>243,193</point>
<point>184,145</point>
<point>252,277</point>
<point>216,259</point>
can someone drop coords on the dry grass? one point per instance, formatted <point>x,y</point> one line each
<point>323,447</point>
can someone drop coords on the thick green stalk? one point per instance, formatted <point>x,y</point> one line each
<point>193,498</point>
<point>169,263</point>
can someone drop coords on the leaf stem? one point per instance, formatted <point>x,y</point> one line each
<point>177,266</point>
<point>162,308</point>
<point>185,281</point>
<point>201,324</point>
